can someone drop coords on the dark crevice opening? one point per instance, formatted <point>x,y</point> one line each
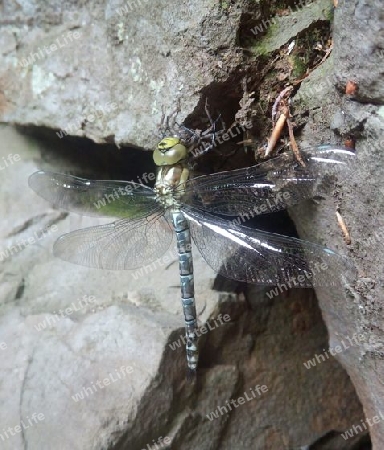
<point>88,159</point>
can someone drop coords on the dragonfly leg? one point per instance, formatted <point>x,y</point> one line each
<point>181,227</point>
<point>207,139</point>
<point>167,125</point>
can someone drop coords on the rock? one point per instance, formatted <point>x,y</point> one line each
<point>113,69</point>
<point>357,56</point>
<point>359,49</point>
<point>106,72</point>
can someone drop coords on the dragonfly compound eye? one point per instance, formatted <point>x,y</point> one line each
<point>169,151</point>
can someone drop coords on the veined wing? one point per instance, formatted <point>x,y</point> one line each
<point>270,186</point>
<point>124,244</point>
<point>254,256</point>
<point>100,198</point>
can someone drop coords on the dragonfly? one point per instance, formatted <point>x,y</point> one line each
<point>208,210</point>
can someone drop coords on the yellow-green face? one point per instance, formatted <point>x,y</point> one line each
<point>169,151</point>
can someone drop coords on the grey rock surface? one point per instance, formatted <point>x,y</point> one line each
<point>359,28</point>
<point>109,83</point>
<point>106,70</point>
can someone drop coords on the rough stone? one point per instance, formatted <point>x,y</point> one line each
<point>109,84</point>
<point>358,38</point>
<point>106,71</point>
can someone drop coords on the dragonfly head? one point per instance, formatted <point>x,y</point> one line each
<point>169,151</point>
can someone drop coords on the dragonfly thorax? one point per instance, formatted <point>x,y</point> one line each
<point>169,184</point>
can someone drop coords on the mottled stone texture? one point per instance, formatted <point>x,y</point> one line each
<point>116,64</point>
<point>111,68</point>
<point>358,57</point>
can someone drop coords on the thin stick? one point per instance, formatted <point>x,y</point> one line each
<point>292,140</point>
<point>343,226</point>
<point>276,132</point>
<point>278,100</point>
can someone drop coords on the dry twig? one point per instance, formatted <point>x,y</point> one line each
<point>343,226</point>
<point>294,145</point>
<point>276,132</point>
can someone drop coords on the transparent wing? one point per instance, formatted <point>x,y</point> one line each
<point>124,244</point>
<point>270,186</point>
<point>100,198</point>
<point>254,256</point>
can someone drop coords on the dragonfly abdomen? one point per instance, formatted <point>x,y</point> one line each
<point>181,227</point>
